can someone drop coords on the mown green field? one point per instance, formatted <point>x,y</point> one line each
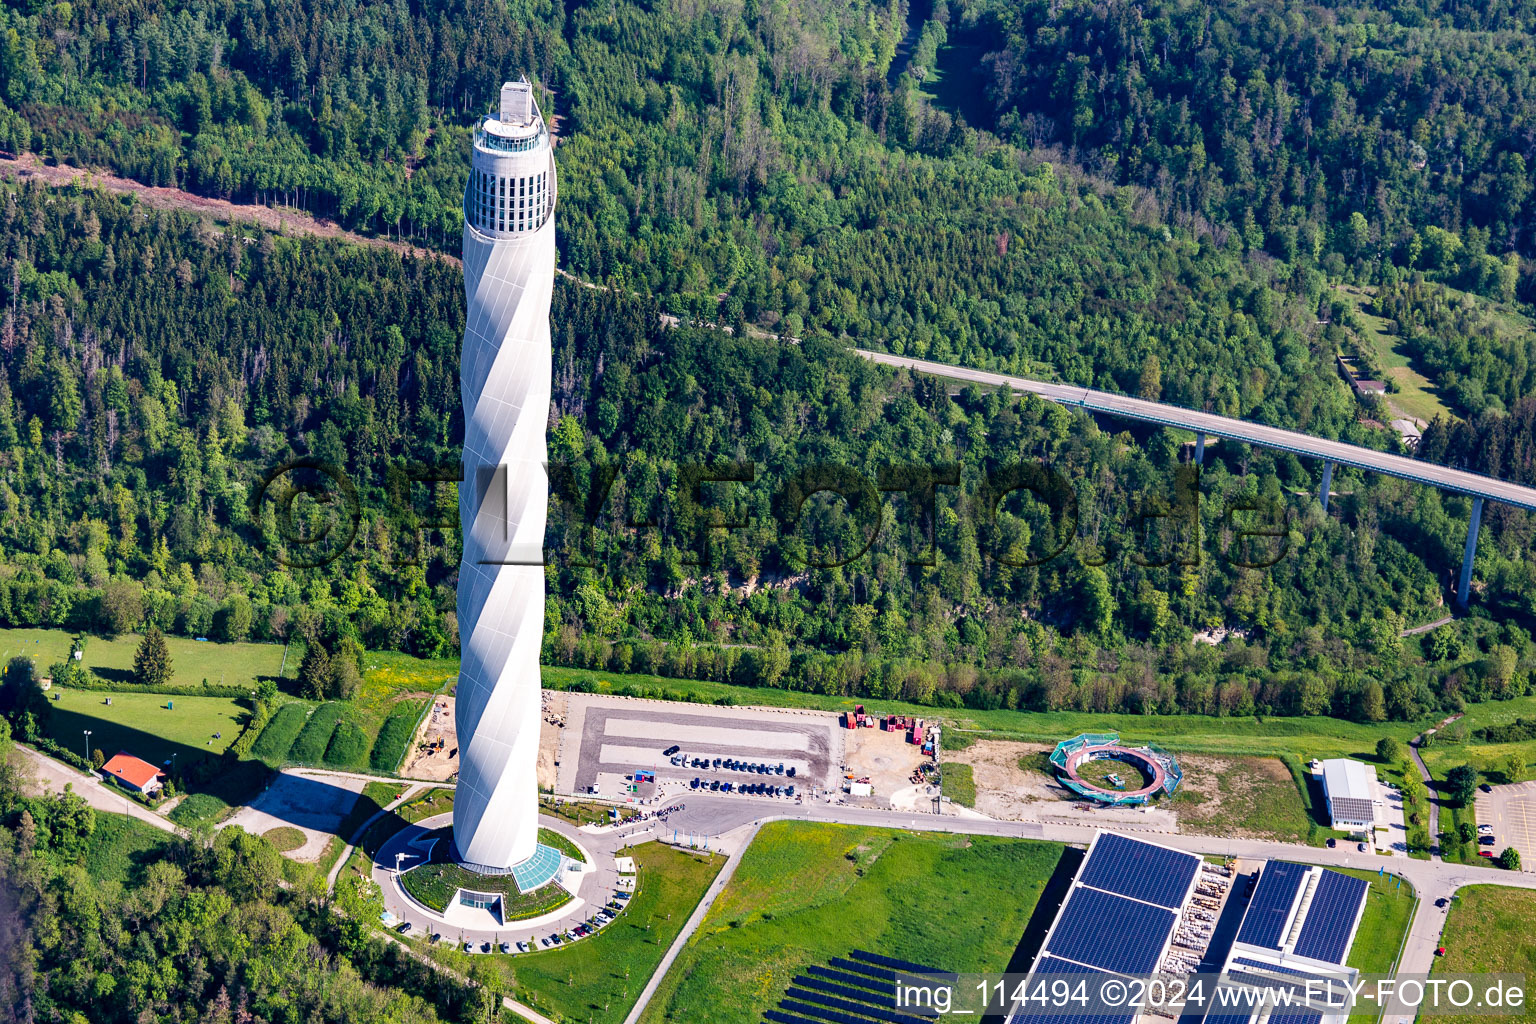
<point>1388,910</point>
<point>191,662</point>
<point>804,893</point>
<point>121,845</point>
<point>146,725</point>
<point>1488,930</point>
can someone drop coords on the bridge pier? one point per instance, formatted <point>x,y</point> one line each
<point>1199,449</point>
<point>1464,588</point>
<point>1322,494</point>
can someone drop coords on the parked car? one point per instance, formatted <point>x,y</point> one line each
<point>790,772</point>
<point>779,770</point>
<point>1332,843</point>
<point>1485,853</point>
<point>506,947</point>
<point>1362,847</point>
<point>545,943</point>
<point>1485,830</point>
<point>469,947</point>
<point>1486,840</point>
<point>1486,788</point>
<point>674,748</point>
<point>403,927</point>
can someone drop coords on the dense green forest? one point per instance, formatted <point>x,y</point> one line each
<point>1307,128</point>
<point>142,410</point>
<point>775,156</point>
<point>104,919</point>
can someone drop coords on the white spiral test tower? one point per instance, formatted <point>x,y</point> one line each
<point>509,270</point>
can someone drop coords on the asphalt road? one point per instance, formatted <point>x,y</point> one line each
<point>1126,407</point>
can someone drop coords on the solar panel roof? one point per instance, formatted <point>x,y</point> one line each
<point>1348,808</point>
<point>1296,1017</point>
<point>1055,965</point>
<point>1264,923</point>
<point>1139,870</point>
<point>1330,917</point>
<point>1276,969</point>
<point>1228,1018</point>
<point>1053,1016</point>
<point>1104,930</point>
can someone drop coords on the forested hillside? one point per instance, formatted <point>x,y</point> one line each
<point>1307,128</point>
<point>769,163</point>
<point>1166,216</point>
<point>156,370</point>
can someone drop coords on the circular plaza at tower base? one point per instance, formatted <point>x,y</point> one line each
<point>443,885</point>
<point>1151,762</point>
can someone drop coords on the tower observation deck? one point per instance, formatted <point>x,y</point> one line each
<point>509,268</point>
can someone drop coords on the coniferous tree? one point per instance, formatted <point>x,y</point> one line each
<point>152,661</point>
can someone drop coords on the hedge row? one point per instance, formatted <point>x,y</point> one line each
<point>395,735</point>
<point>347,747</point>
<point>309,748</point>
<point>275,740</point>
<point>255,725</point>
<point>90,681</point>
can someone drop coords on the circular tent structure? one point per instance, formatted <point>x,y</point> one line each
<point>1152,761</point>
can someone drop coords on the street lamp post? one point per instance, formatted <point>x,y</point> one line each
<point>87,745</point>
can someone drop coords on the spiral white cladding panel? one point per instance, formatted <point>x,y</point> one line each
<point>509,268</point>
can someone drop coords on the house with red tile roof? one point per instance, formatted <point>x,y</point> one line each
<point>132,773</point>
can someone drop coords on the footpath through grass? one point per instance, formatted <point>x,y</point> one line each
<point>805,892</point>
<point>1489,930</point>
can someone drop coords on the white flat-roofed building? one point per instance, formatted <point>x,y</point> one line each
<point>1350,787</point>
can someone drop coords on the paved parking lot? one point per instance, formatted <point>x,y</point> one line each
<point>614,735</point>
<point>1511,810</point>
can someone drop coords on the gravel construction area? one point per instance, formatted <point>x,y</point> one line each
<point>437,765</point>
<point>887,760</point>
<point>434,765</point>
<point>605,735</point>
<point>1007,791</point>
<point>1003,789</point>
